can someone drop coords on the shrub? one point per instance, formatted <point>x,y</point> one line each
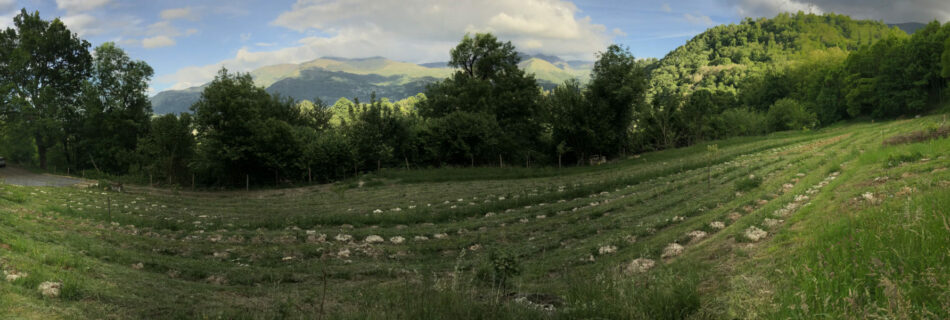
<point>740,122</point>
<point>498,268</point>
<point>897,159</point>
<point>748,183</point>
<point>789,114</point>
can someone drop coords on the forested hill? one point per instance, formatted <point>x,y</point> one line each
<point>723,56</point>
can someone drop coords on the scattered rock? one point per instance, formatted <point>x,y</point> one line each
<point>287,258</point>
<point>639,265</point>
<point>420,238</point>
<point>50,289</point>
<point>755,234</point>
<point>343,253</point>
<point>608,249</point>
<point>718,225</point>
<point>696,235</point>
<point>373,239</point>
<point>678,218</point>
<point>313,238</point>
<point>13,275</point>
<point>769,222</point>
<point>475,247</point>
<point>440,236</point>
<point>734,216</point>
<point>221,255</point>
<point>217,280</point>
<point>672,250</point>
<point>343,237</point>
<point>397,240</point>
<point>138,266</point>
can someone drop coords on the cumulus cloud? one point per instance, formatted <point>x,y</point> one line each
<point>886,10</point>
<point>83,24</point>
<point>415,30</point>
<point>666,7</point>
<point>157,42</point>
<point>80,5</point>
<point>555,24</point>
<point>178,13</point>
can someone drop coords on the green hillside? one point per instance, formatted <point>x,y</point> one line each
<point>761,228</point>
<point>723,56</point>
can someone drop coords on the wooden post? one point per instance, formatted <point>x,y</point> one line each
<point>276,178</point>
<point>500,162</point>
<point>558,160</point>
<point>192,181</point>
<point>379,164</point>
<point>109,204</point>
<point>149,179</point>
<point>407,163</point>
<point>247,182</point>
<point>309,175</point>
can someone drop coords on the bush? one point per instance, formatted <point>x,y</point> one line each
<point>740,122</point>
<point>897,159</point>
<point>789,114</point>
<point>748,183</point>
<point>498,268</point>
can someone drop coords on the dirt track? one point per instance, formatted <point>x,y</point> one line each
<point>22,177</point>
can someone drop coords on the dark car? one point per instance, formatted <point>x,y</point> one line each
<point>3,162</point>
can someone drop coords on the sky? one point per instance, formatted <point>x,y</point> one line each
<point>186,42</point>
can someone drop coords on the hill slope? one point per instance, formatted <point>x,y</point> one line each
<point>793,225</point>
<point>723,56</point>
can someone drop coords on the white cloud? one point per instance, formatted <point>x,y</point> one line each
<point>698,19</point>
<point>770,8</point>
<point>414,30</point>
<point>666,7</point>
<point>7,6</point>
<point>265,44</point>
<point>80,5</point>
<point>178,13</point>
<point>157,42</point>
<point>618,32</point>
<point>83,24</point>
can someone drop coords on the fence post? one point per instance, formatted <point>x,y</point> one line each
<point>309,175</point>
<point>109,204</point>
<point>247,182</point>
<point>192,181</point>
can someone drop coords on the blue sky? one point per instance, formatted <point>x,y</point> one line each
<point>186,42</point>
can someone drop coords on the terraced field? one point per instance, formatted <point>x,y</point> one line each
<point>755,227</point>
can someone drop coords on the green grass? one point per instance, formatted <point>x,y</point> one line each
<point>569,233</point>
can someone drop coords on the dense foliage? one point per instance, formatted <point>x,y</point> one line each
<point>792,72</point>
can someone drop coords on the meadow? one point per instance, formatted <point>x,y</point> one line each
<point>829,223</point>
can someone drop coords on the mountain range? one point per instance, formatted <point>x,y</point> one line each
<point>331,78</point>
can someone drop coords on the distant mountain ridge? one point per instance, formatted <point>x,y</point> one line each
<point>331,78</point>
<point>909,27</point>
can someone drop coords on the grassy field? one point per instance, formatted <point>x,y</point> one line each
<point>822,224</point>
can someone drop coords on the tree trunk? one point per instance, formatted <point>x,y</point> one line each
<point>558,160</point>
<point>41,152</point>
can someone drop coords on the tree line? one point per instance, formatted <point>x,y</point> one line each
<point>69,108</point>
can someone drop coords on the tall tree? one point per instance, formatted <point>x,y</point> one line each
<point>43,68</point>
<point>617,87</point>
<point>243,130</point>
<point>489,82</point>
<point>115,109</point>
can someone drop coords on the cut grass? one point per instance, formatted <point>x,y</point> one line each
<point>272,253</point>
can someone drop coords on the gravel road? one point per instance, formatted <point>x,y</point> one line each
<point>22,177</point>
